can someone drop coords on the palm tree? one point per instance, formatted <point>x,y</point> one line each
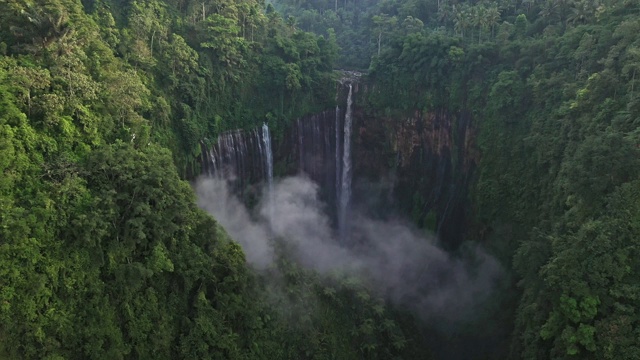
<point>493,17</point>
<point>458,20</point>
<point>580,13</point>
<point>477,19</point>
<point>45,25</point>
<point>549,11</point>
<point>444,14</point>
<point>291,23</point>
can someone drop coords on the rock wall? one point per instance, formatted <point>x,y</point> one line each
<point>420,165</point>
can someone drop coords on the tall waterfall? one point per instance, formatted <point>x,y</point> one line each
<point>266,139</point>
<point>337,157</point>
<point>344,196</point>
<point>322,149</point>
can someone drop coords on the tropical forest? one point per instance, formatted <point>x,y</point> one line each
<point>320,179</point>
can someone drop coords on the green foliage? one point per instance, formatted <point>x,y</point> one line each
<point>104,254</point>
<point>92,273</point>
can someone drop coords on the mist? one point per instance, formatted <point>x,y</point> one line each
<point>399,262</point>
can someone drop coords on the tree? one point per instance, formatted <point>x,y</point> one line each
<point>148,21</point>
<point>493,17</point>
<point>383,23</point>
<point>521,25</point>
<point>632,67</point>
<point>221,36</point>
<point>43,23</point>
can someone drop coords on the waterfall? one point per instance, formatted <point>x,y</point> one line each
<point>337,159</point>
<point>345,185</point>
<point>319,144</point>
<point>244,158</point>
<point>268,155</point>
<point>322,144</point>
<point>256,138</point>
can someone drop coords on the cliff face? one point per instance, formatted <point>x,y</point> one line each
<point>310,147</point>
<point>418,165</point>
<point>422,164</point>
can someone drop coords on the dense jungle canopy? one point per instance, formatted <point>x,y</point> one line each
<point>105,106</point>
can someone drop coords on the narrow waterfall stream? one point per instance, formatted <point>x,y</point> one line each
<point>344,195</point>
<point>268,154</point>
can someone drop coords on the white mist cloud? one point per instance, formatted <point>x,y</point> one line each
<point>216,198</point>
<point>402,264</point>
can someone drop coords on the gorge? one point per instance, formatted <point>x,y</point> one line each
<point>387,155</point>
<point>195,179</point>
<point>308,207</point>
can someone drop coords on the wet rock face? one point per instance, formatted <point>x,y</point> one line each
<point>318,146</point>
<point>419,166</point>
<point>309,147</point>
